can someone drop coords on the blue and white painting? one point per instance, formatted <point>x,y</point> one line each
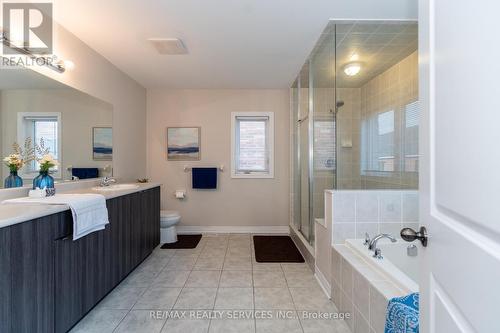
<point>102,143</point>
<point>183,143</point>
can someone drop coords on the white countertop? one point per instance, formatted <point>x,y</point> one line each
<point>14,213</point>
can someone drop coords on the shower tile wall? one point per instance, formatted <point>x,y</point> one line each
<point>348,136</point>
<point>393,90</point>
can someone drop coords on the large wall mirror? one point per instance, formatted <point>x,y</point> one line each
<point>75,128</point>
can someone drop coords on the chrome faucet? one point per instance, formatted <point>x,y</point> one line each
<point>377,253</point>
<point>106,181</point>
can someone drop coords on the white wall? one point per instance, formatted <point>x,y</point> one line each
<point>236,202</point>
<point>79,113</point>
<point>96,76</point>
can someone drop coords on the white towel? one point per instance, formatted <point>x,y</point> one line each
<point>89,210</point>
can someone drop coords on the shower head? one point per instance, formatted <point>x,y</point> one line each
<point>338,105</point>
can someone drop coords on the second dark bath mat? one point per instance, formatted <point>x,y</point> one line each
<point>276,249</point>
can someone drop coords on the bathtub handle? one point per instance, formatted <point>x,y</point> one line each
<point>410,235</point>
<point>367,239</point>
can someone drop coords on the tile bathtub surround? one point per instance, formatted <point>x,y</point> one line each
<point>220,274</point>
<point>358,288</point>
<point>356,212</point>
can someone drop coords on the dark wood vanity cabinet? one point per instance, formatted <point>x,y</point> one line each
<point>48,282</point>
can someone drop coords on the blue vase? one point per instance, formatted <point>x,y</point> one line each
<point>13,180</point>
<point>43,180</point>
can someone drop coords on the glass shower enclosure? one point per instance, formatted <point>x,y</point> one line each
<point>313,113</point>
<point>354,115</point>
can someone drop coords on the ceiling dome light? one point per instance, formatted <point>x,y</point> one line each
<point>352,68</point>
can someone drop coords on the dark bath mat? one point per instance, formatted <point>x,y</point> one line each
<point>183,242</point>
<point>276,249</point>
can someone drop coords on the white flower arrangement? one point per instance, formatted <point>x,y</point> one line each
<point>28,153</point>
<point>46,162</point>
<point>14,162</point>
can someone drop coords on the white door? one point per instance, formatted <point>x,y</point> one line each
<point>460,166</point>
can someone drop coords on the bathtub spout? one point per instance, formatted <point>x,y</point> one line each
<point>373,243</point>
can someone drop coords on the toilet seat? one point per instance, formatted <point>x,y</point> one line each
<point>169,214</point>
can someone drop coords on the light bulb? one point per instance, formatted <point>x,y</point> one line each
<point>69,65</point>
<point>352,68</point>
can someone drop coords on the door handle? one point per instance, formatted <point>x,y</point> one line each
<point>410,235</point>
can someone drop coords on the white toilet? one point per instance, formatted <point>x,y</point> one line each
<point>168,220</point>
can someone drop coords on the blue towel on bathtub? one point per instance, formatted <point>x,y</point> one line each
<point>402,314</point>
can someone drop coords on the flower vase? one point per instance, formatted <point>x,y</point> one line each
<point>44,180</point>
<point>13,180</point>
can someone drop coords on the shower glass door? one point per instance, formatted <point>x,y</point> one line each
<point>300,123</point>
<point>313,123</point>
<point>323,129</point>
<point>304,153</point>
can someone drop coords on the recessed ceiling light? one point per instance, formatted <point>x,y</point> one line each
<point>352,68</point>
<point>168,45</point>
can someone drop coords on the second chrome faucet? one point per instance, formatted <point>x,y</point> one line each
<point>372,245</point>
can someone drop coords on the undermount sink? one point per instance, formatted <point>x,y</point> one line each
<point>116,187</point>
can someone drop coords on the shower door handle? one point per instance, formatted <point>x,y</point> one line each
<point>410,235</point>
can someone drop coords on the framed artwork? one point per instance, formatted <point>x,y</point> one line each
<point>102,143</point>
<point>183,143</point>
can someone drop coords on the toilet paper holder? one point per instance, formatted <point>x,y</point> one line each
<point>180,194</point>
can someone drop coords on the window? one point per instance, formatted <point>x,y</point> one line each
<point>411,114</point>
<point>385,122</point>
<point>38,126</point>
<point>378,149</point>
<point>324,145</point>
<point>410,137</point>
<point>381,151</point>
<point>252,145</point>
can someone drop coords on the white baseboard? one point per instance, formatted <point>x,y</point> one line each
<point>189,229</point>
<point>323,282</point>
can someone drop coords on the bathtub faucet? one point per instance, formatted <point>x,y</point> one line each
<point>377,253</point>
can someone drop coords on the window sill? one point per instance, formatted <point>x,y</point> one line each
<point>252,176</point>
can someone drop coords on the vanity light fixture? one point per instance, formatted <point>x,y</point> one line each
<point>352,68</point>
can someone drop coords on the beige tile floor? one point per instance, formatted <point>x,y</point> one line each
<point>220,277</point>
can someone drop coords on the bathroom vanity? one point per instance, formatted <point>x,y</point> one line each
<point>48,282</point>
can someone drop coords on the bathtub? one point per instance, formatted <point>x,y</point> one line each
<point>395,265</point>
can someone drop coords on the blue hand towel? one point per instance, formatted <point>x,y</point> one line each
<point>204,178</point>
<point>85,173</point>
<point>402,314</point>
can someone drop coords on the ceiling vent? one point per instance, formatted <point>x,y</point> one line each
<point>168,45</point>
